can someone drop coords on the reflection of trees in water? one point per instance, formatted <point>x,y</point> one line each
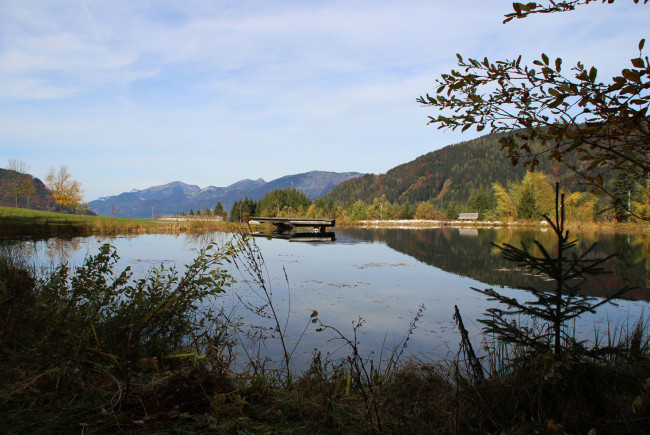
<point>202,239</point>
<point>17,252</point>
<point>633,262</point>
<point>475,257</point>
<point>60,250</point>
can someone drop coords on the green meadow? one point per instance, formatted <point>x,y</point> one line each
<point>35,223</point>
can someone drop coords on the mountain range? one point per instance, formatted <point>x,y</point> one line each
<point>175,197</point>
<point>448,175</point>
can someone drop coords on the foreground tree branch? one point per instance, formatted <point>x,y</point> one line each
<point>522,10</point>
<point>548,112</point>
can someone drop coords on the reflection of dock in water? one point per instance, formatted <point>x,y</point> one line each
<point>299,236</point>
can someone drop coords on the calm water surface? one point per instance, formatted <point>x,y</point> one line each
<point>381,276</point>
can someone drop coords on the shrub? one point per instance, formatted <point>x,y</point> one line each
<point>91,312</point>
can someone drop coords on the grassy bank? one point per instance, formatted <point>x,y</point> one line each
<point>35,223</point>
<point>89,350</point>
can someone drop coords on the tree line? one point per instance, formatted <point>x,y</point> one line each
<point>218,212</point>
<point>526,200</point>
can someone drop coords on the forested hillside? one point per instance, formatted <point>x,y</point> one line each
<point>450,174</point>
<point>24,190</point>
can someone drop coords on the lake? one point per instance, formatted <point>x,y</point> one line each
<point>383,276</point>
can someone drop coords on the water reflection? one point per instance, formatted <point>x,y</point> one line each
<point>59,250</point>
<point>382,276</point>
<point>471,253</point>
<point>300,236</point>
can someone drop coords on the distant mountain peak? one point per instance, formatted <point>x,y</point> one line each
<point>175,197</point>
<point>247,184</point>
<point>175,184</point>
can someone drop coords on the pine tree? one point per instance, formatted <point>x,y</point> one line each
<point>452,211</point>
<point>480,201</point>
<point>553,309</point>
<point>622,194</point>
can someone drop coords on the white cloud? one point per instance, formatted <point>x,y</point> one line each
<point>205,90</point>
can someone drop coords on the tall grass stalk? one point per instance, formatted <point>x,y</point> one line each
<point>250,263</point>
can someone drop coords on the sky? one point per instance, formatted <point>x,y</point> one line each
<point>130,94</point>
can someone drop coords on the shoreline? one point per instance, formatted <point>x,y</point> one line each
<point>16,222</point>
<point>418,224</point>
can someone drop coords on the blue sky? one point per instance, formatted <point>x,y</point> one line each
<point>136,93</point>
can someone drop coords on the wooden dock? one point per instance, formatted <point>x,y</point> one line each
<point>319,225</point>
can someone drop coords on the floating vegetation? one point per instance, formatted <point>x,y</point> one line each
<point>365,266</point>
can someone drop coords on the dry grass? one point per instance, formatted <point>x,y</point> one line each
<point>34,223</point>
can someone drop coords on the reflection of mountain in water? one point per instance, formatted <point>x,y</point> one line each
<point>468,252</point>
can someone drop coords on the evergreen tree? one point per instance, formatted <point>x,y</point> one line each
<point>275,202</point>
<point>480,201</point>
<point>552,309</point>
<point>220,211</point>
<point>622,195</point>
<point>242,209</point>
<point>452,211</point>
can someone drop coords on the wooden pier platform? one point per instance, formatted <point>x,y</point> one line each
<point>318,224</point>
